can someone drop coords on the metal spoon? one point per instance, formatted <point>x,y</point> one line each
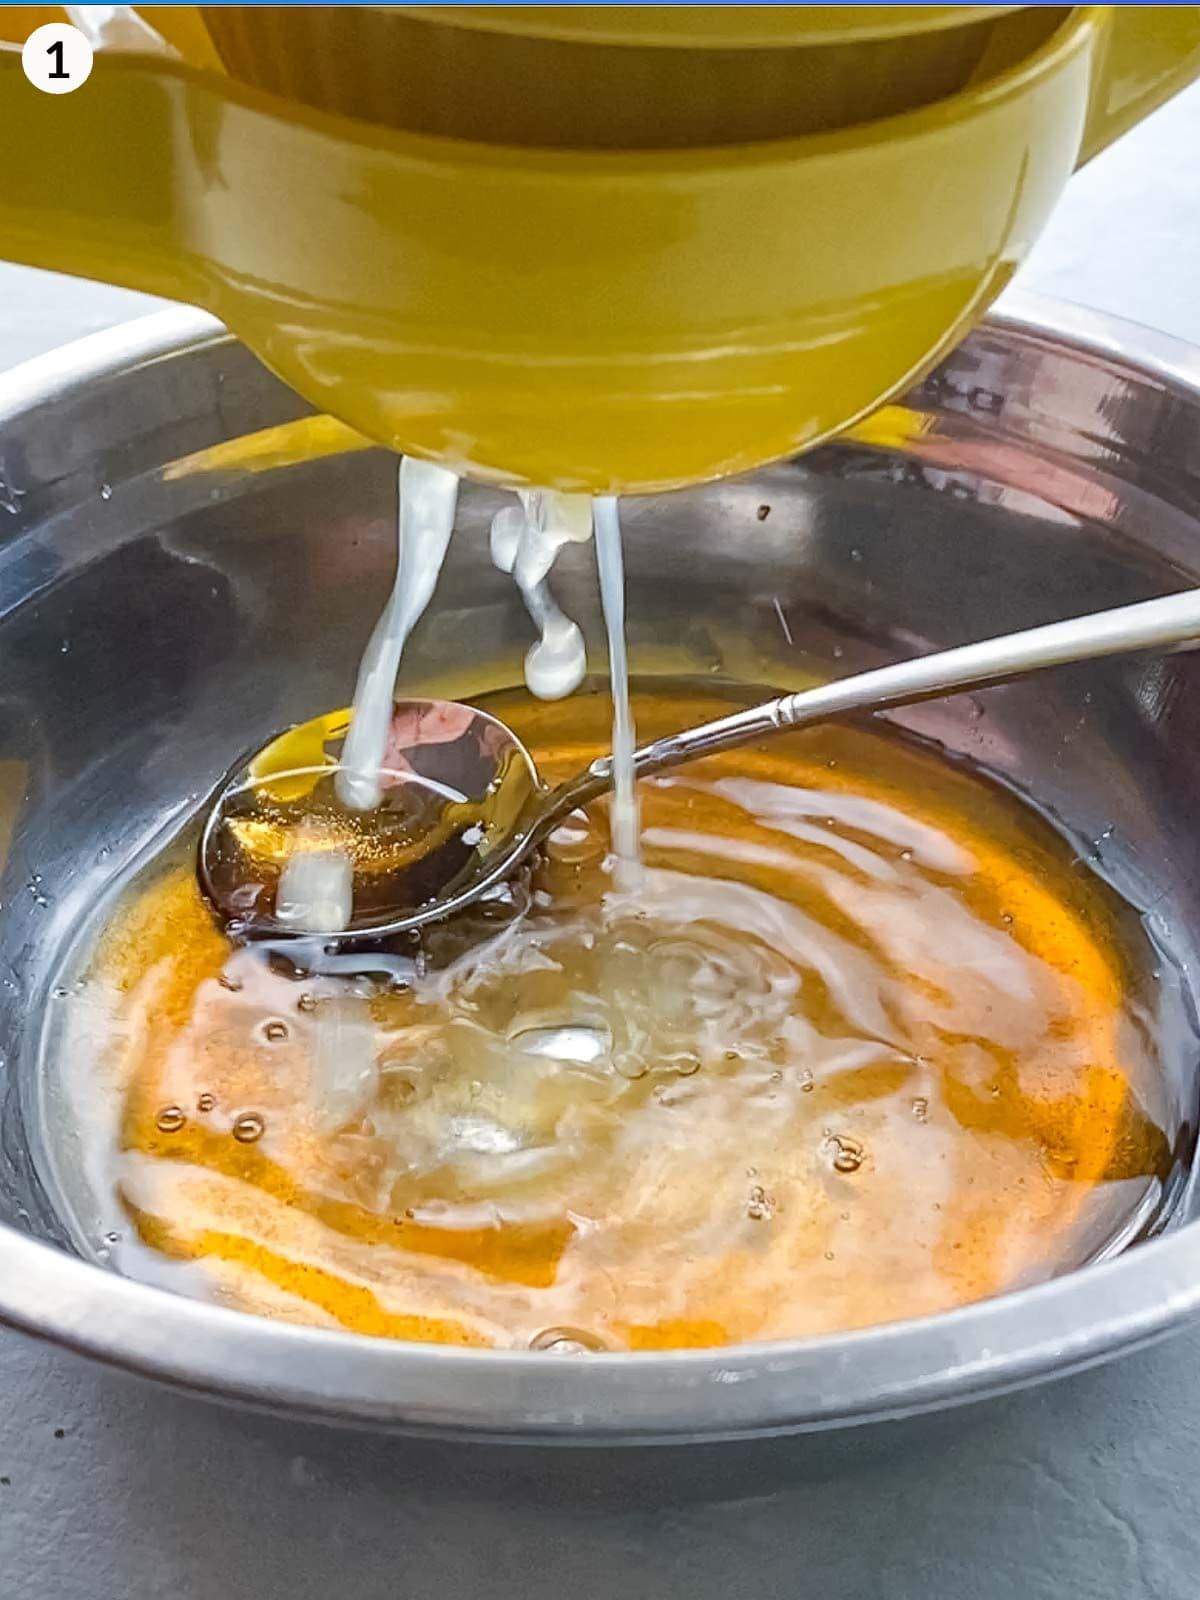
<point>463,808</point>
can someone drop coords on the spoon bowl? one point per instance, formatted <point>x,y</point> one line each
<point>281,854</point>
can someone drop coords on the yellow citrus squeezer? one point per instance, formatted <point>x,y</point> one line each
<point>596,248</point>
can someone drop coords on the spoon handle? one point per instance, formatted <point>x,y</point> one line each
<point>1173,621</point>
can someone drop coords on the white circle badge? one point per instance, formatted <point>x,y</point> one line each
<point>57,58</point>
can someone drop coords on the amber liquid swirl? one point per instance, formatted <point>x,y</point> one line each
<point>867,1045</point>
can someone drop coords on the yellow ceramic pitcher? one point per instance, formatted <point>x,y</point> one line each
<point>589,317</point>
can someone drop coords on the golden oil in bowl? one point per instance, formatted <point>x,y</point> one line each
<point>869,1042</point>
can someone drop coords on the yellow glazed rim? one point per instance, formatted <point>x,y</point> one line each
<point>439,151</point>
<point>708,27</point>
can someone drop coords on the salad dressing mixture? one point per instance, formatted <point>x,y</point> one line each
<point>861,1042</point>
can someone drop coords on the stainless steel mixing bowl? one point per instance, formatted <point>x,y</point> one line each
<point>186,565</point>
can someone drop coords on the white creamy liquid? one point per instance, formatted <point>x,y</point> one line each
<point>525,540</point>
<point>625,818</point>
<point>428,498</point>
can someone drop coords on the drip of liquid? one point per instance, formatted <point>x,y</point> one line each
<point>525,541</point>
<point>624,813</point>
<point>428,497</point>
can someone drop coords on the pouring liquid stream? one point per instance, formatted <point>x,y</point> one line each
<point>627,871</point>
<point>315,889</point>
<point>428,496</point>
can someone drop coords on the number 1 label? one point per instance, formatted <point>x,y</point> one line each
<point>57,58</point>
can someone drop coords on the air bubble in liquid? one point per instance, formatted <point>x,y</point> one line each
<point>848,1154</point>
<point>249,1127</point>
<point>566,1342</point>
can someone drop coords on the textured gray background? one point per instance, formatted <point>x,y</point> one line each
<point>113,1490</point>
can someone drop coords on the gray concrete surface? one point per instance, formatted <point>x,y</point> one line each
<point>1082,1491</point>
<point>1086,1490</point>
